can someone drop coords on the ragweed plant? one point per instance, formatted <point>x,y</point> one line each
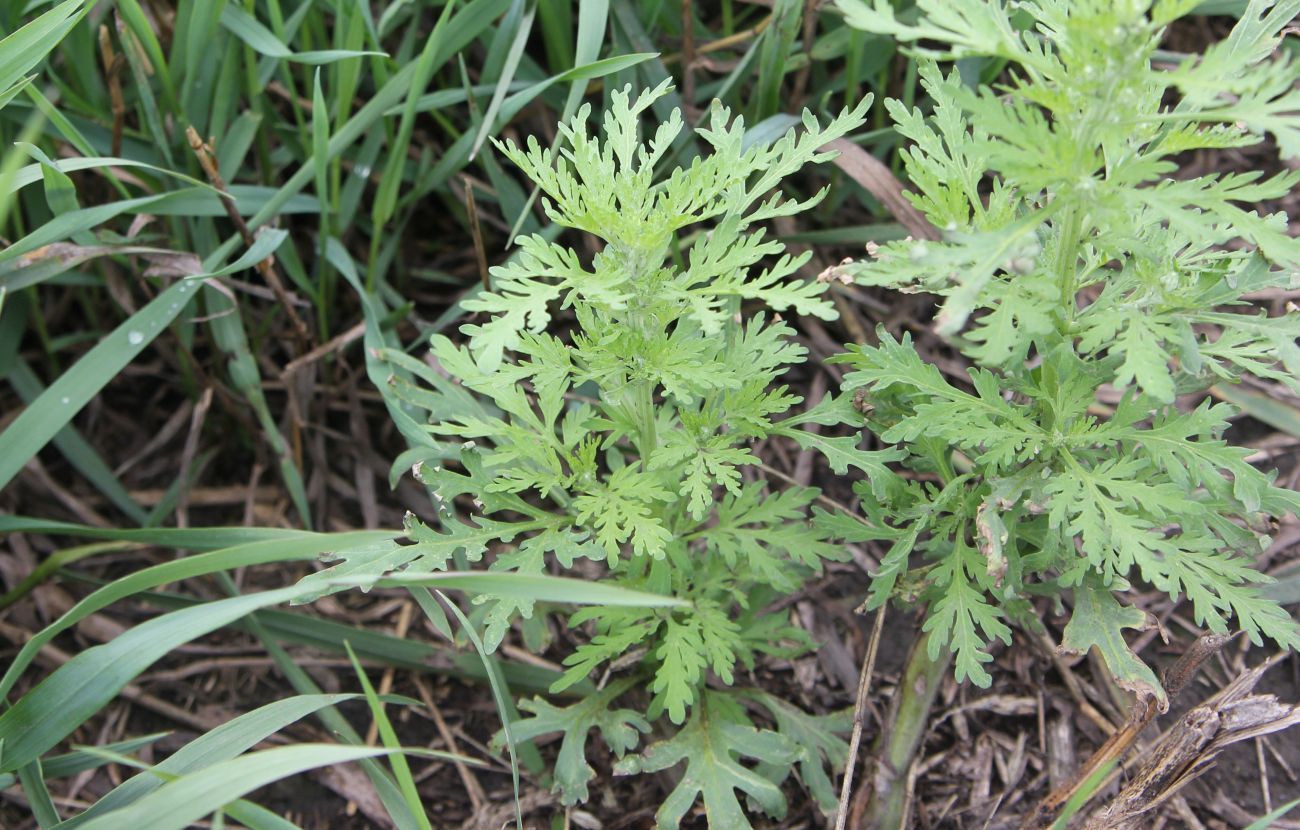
<point>1077,256</point>
<point>612,442</point>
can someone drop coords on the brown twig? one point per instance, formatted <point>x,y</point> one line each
<point>334,344</point>
<point>821,497</point>
<point>719,44</point>
<point>113,63</point>
<point>473,788</point>
<point>1072,686</point>
<point>267,266</point>
<point>859,717</point>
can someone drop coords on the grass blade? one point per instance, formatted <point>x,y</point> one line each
<point>306,546</point>
<point>244,26</point>
<point>62,766</point>
<point>505,705</point>
<point>32,172</point>
<point>22,50</point>
<point>227,741</point>
<point>179,803</point>
<point>777,41</point>
<point>41,421</point>
<point>401,769</point>
<point>1265,822</point>
<point>593,18</point>
<point>334,722</point>
<point>81,687</point>
<point>75,388</point>
<point>52,563</point>
<point>1276,413</point>
<point>464,27</point>
<point>80,454</point>
<point>67,224</point>
<point>515,52</point>
<point>530,586</point>
<point>38,797</point>
<point>198,538</point>
<point>391,180</point>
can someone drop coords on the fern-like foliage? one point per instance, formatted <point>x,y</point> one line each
<point>607,409</point>
<point>1074,257</point>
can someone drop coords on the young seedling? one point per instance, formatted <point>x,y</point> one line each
<point>609,410</point>
<point>1077,258</point>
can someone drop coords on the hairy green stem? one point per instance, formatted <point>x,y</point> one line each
<point>645,407</point>
<point>900,740</point>
<point>1067,264</point>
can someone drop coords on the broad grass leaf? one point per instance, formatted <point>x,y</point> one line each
<point>89,681</point>
<point>223,743</point>
<point>179,803</point>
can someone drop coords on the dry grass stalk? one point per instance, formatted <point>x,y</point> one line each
<point>203,152</point>
<point>1190,747</point>
<point>1144,709</point>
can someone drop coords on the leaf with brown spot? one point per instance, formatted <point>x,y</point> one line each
<point>1099,620</point>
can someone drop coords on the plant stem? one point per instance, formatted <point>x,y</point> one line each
<point>899,742</point>
<point>1067,263</point>
<point>645,406</point>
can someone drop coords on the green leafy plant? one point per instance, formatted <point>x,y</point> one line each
<point>612,442</point>
<point>1077,256</point>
